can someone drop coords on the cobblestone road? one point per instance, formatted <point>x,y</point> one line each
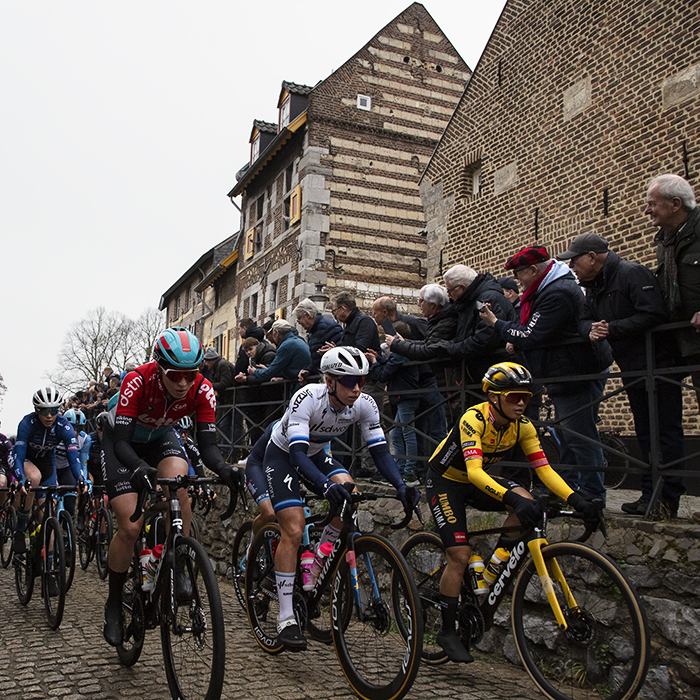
<point>74,662</point>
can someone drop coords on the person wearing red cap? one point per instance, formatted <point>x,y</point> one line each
<point>550,309</point>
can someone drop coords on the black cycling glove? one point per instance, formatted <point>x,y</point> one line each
<point>336,494</point>
<point>527,511</point>
<point>143,478</point>
<point>589,510</point>
<point>403,493</point>
<point>230,476</point>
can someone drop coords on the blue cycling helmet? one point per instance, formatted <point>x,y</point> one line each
<point>74,417</point>
<point>177,347</point>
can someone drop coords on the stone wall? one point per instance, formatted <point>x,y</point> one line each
<point>662,560</point>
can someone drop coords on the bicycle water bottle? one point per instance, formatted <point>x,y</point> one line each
<point>476,575</point>
<point>498,559</point>
<point>143,560</point>
<point>322,551</point>
<point>307,561</point>
<point>152,566</point>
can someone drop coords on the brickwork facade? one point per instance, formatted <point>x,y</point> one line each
<point>367,135</point>
<point>574,106</point>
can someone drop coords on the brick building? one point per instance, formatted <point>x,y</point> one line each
<point>330,196</point>
<point>573,107</point>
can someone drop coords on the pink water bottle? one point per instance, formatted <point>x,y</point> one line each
<point>307,561</point>
<point>143,559</point>
<point>322,551</point>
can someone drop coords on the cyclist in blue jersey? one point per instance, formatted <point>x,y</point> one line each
<point>63,473</point>
<point>38,434</point>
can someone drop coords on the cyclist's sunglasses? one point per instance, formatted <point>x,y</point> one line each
<point>177,375</point>
<point>349,381</point>
<point>515,397</point>
<point>46,412</point>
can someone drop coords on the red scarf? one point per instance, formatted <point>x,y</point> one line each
<point>526,300</point>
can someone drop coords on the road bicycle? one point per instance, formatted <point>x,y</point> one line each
<point>68,531</point>
<point>44,556</point>
<point>370,598</point>
<point>96,532</point>
<point>8,520</point>
<point>184,602</point>
<point>579,626</point>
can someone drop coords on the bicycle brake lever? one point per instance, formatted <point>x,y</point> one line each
<point>138,512</point>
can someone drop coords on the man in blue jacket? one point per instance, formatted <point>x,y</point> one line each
<point>292,356</point>
<point>321,330</point>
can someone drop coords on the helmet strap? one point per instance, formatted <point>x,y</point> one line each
<point>498,408</point>
<point>334,395</point>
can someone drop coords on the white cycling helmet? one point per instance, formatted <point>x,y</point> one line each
<point>48,397</point>
<point>344,360</point>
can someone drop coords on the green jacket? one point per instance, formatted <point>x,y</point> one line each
<point>683,299</point>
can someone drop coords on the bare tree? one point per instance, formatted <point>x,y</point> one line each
<point>148,326</point>
<point>3,388</point>
<point>99,340</point>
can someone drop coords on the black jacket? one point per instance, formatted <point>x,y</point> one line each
<point>627,295</point>
<point>361,331</point>
<point>324,330</point>
<point>222,375</point>
<point>242,359</point>
<point>265,353</point>
<point>417,325</point>
<point>556,310</point>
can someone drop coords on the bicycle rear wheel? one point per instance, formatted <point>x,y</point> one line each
<point>379,646</point>
<point>85,541</point>
<point>24,573</point>
<point>426,559</point>
<point>192,623</point>
<point>9,521</point>
<point>134,621</point>
<point>604,652</point>
<point>262,602</point>
<point>614,479</point>
<point>68,532</point>
<point>239,556</point>
<point>103,536</point>
<point>53,575</point>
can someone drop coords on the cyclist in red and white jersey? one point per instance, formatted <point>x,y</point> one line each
<point>139,443</point>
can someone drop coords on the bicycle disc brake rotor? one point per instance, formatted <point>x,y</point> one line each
<point>300,610</point>
<point>378,614</point>
<point>580,626</point>
<point>471,623</point>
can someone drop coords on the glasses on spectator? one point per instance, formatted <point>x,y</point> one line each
<point>46,412</point>
<point>516,397</point>
<point>519,270</point>
<point>177,375</point>
<point>350,381</point>
<point>421,301</point>
<point>451,289</point>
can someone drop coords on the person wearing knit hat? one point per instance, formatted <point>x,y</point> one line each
<point>550,309</point>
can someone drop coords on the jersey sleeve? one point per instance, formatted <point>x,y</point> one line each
<point>299,417</point>
<point>532,448</point>
<point>471,431</point>
<point>71,443</point>
<point>130,393</point>
<point>369,421</point>
<point>205,405</point>
<point>20,449</point>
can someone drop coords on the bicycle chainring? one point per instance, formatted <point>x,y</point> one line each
<point>471,623</point>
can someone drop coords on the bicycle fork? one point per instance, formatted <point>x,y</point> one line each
<point>535,545</point>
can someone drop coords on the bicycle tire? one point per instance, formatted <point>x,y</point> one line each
<point>425,555</point>
<point>614,479</point>
<point>550,447</point>
<point>85,541</point>
<point>134,621</point>
<point>194,529</point>
<point>102,541</point>
<point>262,604</point>
<point>238,559</point>
<point>604,653</point>
<point>192,632</point>
<point>68,532</point>
<point>378,660</point>
<point>24,573</point>
<point>9,522</point>
<point>53,571</point>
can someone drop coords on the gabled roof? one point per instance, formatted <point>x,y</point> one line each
<point>191,271</point>
<point>263,127</point>
<point>292,88</point>
<point>225,254</point>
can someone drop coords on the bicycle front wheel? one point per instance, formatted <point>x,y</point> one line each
<point>604,652</point>
<point>85,538</point>
<point>68,532</point>
<point>379,644</point>
<point>192,624</point>
<point>426,559</point>
<point>103,537</point>
<point>614,479</point>
<point>262,601</point>
<point>239,556</point>
<point>53,579</point>
<point>9,520</point>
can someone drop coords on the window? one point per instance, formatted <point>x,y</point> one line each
<point>249,243</point>
<point>364,102</point>
<point>188,292</point>
<point>285,111</point>
<point>260,207</point>
<point>255,149</point>
<point>176,310</point>
<point>273,294</point>
<point>471,179</point>
<point>295,205</point>
<point>253,306</point>
<point>288,178</point>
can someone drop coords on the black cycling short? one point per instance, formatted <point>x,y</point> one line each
<point>45,465</point>
<point>449,499</point>
<point>283,479</point>
<point>116,475</point>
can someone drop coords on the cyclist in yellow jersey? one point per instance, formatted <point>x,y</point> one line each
<point>458,477</point>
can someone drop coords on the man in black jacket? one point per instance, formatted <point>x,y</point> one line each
<point>550,310</point>
<point>385,315</point>
<point>623,301</point>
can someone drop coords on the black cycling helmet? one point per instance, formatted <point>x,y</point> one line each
<point>102,420</point>
<point>507,376</point>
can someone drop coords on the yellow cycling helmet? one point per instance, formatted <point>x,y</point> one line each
<point>507,376</point>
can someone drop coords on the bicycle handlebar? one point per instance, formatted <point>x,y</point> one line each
<point>359,497</point>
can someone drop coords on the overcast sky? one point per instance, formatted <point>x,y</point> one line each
<point>122,126</point>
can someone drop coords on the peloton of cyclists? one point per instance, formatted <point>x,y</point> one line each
<point>140,433</point>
